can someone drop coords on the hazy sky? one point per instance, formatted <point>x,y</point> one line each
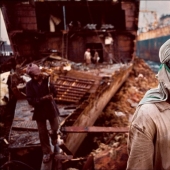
<point>160,6</point>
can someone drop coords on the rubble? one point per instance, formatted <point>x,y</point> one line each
<point>110,158</point>
<point>76,83</point>
<point>118,112</point>
<point>141,79</point>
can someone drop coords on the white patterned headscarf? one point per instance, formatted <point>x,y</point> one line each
<point>161,92</point>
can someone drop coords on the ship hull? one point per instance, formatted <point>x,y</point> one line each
<point>149,43</point>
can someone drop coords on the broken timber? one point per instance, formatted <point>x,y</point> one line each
<point>73,129</point>
<point>92,111</point>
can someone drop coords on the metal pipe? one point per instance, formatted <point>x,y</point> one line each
<point>64,17</point>
<point>91,129</point>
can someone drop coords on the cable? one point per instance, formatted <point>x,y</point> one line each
<point>15,161</point>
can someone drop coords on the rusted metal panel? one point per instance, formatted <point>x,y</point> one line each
<point>24,125</point>
<point>24,132</point>
<point>72,89</point>
<point>23,139</point>
<point>23,111</point>
<point>149,43</point>
<point>149,49</point>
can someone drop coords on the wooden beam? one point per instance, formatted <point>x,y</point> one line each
<point>76,129</point>
<point>89,164</point>
<point>89,115</point>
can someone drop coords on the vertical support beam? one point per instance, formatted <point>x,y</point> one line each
<point>64,18</point>
<point>65,38</point>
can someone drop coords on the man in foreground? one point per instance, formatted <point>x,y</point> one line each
<point>149,134</point>
<point>40,95</point>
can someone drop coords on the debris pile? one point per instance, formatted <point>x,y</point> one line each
<point>112,150</point>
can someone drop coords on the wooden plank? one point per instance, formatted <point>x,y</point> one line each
<point>92,111</point>
<point>76,129</point>
<point>89,164</point>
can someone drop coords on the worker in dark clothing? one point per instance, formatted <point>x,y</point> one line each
<point>40,95</point>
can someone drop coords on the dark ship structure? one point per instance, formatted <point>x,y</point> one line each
<point>55,34</point>
<point>38,28</point>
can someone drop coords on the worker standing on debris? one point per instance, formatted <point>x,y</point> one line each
<point>40,95</point>
<point>149,137</point>
<point>87,56</point>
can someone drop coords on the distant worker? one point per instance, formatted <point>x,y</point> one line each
<point>149,136</point>
<point>40,93</point>
<point>110,58</point>
<point>96,57</point>
<point>87,56</point>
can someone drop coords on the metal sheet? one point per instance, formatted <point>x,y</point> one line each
<point>72,89</point>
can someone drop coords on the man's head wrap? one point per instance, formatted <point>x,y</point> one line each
<point>164,52</point>
<point>164,71</point>
<point>161,93</point>
<point>33,69</point>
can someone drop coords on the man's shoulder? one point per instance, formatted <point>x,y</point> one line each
<point>144,112</point>
<point>146,108</point>
<point>152,109</point>
<point>147,105</point>
<point>157,105</point>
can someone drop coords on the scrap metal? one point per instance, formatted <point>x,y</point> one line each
<point>72,89</point>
